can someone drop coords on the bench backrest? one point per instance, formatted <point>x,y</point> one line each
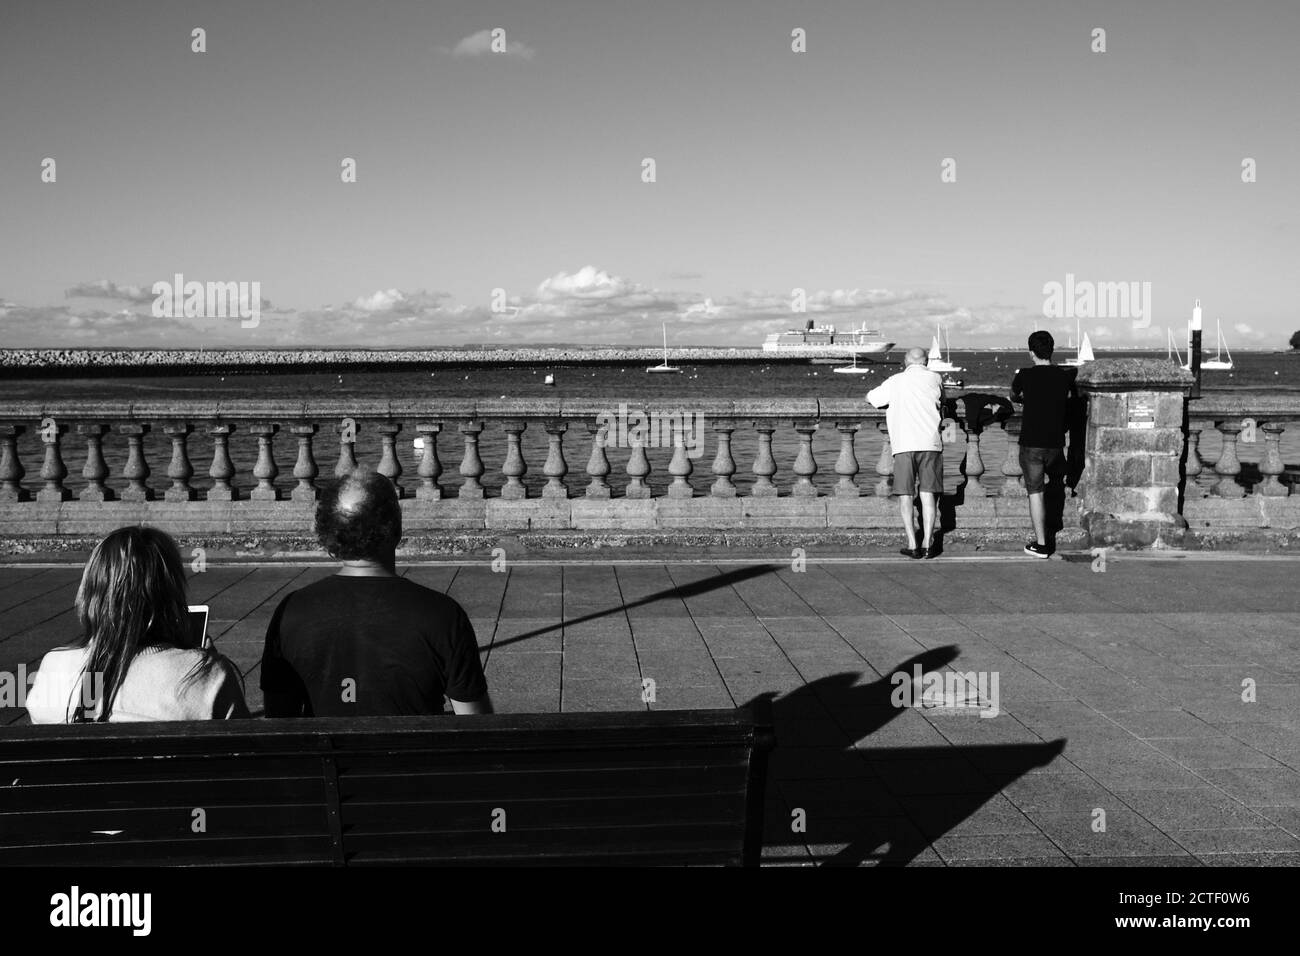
<point>608,788</point>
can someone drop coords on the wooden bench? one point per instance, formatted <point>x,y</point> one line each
<point>668,787</point>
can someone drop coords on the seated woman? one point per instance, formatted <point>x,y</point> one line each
<point>135,659</point>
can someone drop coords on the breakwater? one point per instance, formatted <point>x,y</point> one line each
<point>158,361</point>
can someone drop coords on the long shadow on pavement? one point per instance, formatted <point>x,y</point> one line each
<point>695,588</point>
<point>868,798</point>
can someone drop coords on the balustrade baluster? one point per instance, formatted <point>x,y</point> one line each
<point>430,467</point>
<point>805,465</point>
<point>638,467</point>
<point>1228,467</point>
<point>222,471</point>
<point>973,463</point>
<point>764,464</point>
<point>680,466</point>
<point>1270,464</point>
<point>598,462</point>
<point>556,467</point>
<point>179,469</point>
<point>96,469</point>
<point>347,462</point>
<point>884,464</point>
<point>724,465</point>
<point>305,468</point>
<point>53,470</point>
<point>471,465</point>
<point>266,470</point>
<point>11,468</point>
<point>136,471</point>
<point>389,465</point>
<point>1014,485</point>
<point>846,466</point>
<point>514,468</point>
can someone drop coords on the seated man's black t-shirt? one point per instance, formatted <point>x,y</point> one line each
<point>366,647</point>
<point>1046,391</point>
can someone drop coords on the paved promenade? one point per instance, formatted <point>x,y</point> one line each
<point>1122,734</point>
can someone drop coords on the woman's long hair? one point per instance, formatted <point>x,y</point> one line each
<point>132,596</point>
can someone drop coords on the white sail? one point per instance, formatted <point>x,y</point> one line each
<point>935,353</point>
<point>1085,350</point>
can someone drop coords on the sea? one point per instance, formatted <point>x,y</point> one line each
<point>982,370</point>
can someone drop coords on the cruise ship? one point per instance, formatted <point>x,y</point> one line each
<point>826,340</point>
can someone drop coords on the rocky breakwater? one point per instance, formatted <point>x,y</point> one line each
<point>18,361</point>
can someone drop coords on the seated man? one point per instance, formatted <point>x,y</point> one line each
<point>365,642</point>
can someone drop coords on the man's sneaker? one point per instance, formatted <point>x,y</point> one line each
<point>1036,550</point>
<point>911,552</point>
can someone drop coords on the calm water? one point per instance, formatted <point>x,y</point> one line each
<point>983,370</point>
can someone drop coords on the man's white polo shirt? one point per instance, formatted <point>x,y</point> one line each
<point>911,399</point>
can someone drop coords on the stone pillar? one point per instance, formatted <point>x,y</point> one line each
<point>96,469</point>
<point>805,465</point>
<point>1014,485</point>
<point>430,468</point>
<point>390,466</point>
<point>179,469</point>
<point>305,468</point>
<point>53,470</point>
<point>598,462</point>
<point>724,465</point>
<point>884,464</point>
<point>514,468</point>
<point>1270,465</point>
<point>764,464</point>
<point>556,467</point>
<point>1132,452</point>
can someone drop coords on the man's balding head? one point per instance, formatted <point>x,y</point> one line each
<point>915,356</point>
<point>359,517</point>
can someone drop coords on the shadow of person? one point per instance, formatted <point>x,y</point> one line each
<point>884,804</point>
<point>1076,428</point>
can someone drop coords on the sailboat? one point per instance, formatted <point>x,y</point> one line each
<point>1217,364</point>
<point>937,362</point>
<point>1171,348</point>
<point>853,369</point>
<point>664,367</point>
<point>1085,351</point>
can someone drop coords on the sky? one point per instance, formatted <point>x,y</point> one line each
<point>500,197</point>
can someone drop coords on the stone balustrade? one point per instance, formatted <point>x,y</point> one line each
<point>1238,484</point>
<point>179,467</point>
<point>252,471</point>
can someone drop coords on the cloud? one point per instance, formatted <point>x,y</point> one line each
<point>477,44</point>
<point>1241,328</point>
<point>107,289</point>
<point>584,306</point>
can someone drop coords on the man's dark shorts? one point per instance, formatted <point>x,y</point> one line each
<point>923,468</point>
<point>1037,462</point>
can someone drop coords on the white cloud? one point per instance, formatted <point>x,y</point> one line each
<point>107,289</point>
<point>478,44</point>
<point>587,283</point>
<point>1241,328</point>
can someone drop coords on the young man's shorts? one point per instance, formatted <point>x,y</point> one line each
<point>1037,462</point>
<point>923,468</point>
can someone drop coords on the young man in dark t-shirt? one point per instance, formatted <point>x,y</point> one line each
<point>365,642</point>
<point>1045,390</point>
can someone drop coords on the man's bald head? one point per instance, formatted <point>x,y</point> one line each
<point>359,517</point>
<point>916,356</point>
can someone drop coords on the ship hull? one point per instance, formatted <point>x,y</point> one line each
<point>865,348</point>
